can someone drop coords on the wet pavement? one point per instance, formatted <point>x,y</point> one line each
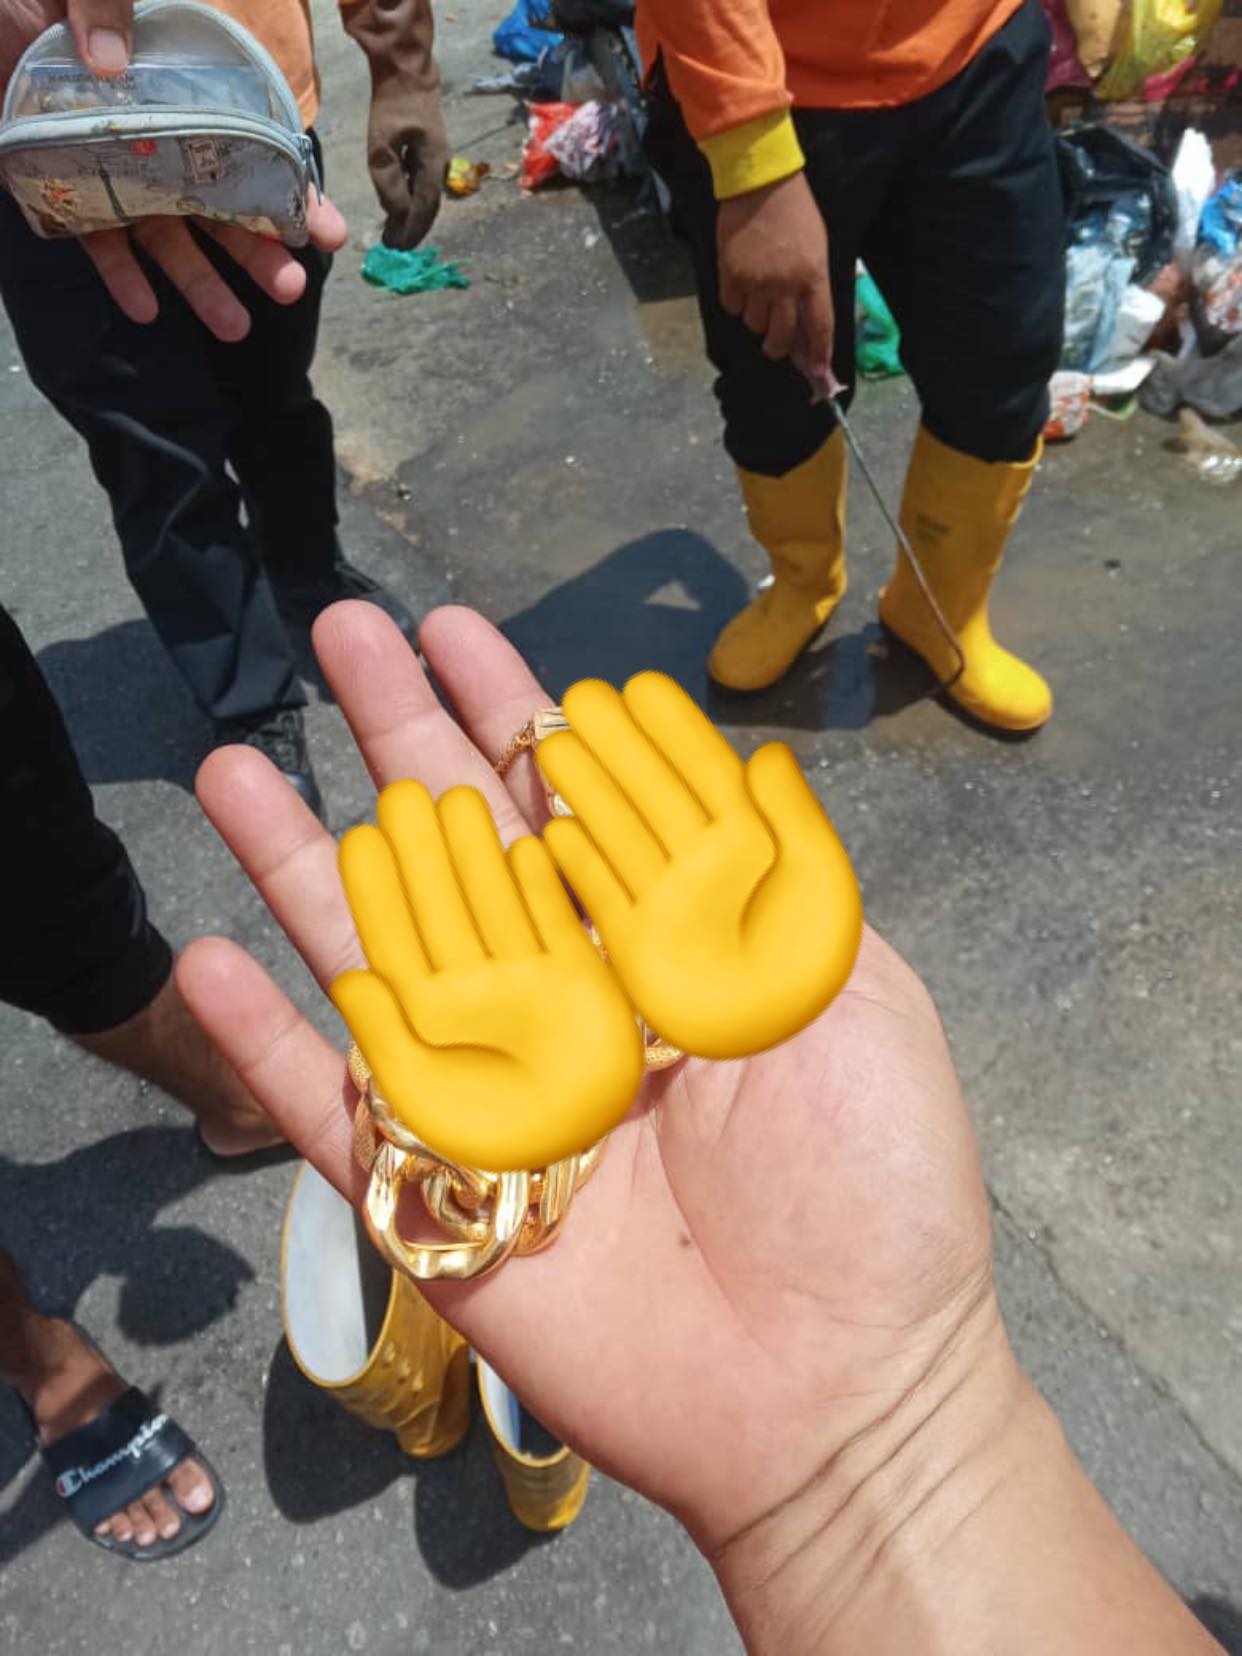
<point>544,446</point>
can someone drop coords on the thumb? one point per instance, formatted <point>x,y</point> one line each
<point>809,851</point>
<point>103,32</point>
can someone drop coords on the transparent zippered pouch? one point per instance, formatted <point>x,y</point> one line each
<point>201,124</point>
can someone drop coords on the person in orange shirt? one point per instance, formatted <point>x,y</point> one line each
<point>797,138</point>
<point>189,377</point>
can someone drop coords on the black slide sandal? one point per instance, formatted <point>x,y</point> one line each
<point>112,1460</point>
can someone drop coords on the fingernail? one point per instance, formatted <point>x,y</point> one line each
<point>108,51</point>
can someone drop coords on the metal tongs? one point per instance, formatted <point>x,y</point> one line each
<point>826,388</point>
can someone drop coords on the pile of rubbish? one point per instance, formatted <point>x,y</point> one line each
<point>1128,48</point>
<point>1153,280</point>
<point>1154,263</point>
<point>581,85</point>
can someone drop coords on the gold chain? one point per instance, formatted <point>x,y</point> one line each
<point>488,1216</point>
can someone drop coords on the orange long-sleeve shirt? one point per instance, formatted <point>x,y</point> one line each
<point>736,66</point>
<point>284,27</point>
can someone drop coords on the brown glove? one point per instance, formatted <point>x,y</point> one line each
<point>407,148</point>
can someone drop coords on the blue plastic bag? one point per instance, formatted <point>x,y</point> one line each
<point>520,39</point>
<point>1221,224</point>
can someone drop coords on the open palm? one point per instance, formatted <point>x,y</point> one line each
<point>724,897</point>
<point>774,1251</point>
<point>492,1026</point>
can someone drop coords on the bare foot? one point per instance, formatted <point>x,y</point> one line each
<point>74,1385</point>
<point>163,1044</point>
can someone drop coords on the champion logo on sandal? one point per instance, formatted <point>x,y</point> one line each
<point>74,1478</point>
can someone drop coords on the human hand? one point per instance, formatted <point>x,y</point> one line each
<point>772,250</point>
<point>167,242</point>
<point>721,891</point>
<point>492,1027</point>
<point>103,34</point>
<point>777,1260</point>
<point>102,31</point>
<point>407,146</point>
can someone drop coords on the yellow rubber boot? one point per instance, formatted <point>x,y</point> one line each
<point>362,1333</point>
<point>957,513</point>
<point>545,1482</point>
<point>799,520</point>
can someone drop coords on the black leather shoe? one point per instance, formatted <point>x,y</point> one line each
<point>282,737</point>
<point>299,605</point>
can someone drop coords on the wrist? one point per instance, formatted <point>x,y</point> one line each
<point>754,155</point>
<point>878,1523</point>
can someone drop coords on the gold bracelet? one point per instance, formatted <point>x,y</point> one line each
<point>488,1216</point>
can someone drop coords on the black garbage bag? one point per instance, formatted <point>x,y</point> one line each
<point>1119,193</point>
<point>581,16</point>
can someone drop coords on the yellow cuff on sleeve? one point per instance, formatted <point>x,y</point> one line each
<point>748,157</point>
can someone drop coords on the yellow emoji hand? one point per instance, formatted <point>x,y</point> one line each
<point>492,1027</point>
<point>725,899</point>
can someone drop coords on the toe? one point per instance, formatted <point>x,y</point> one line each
<point>192,1488</point>
<point>163,1516</point>
<point>141,1523</point>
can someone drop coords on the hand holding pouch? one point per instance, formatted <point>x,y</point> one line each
<point>202,124</point>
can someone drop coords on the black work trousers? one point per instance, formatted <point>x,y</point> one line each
<point>954,205</point>
<point>76,945</point>
<point>218,459</point>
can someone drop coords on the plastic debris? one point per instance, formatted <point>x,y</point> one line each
<point>1121,381</point>
<point>1194,179</point>
<point>1212,455</point>
<point>1064,69</point>
<point>1070,394</point>
<point>1095,24</point>
<point>878,338</point>
<point>1096,279</point>
<point>1156,36</point>
<point>524,37</point>
<point>585,142</point>
<point>463,177</point>
<point>1218,306</point>
<point>597,141</point>
<point>1138,316</point>
<point>1119,193</point>
<point>1221,223</point>
<point>1210,385</point>
<point>1123,216</point>
<point>538,162</point>
<point>420,270</point>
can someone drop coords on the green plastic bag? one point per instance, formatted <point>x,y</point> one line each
<point>421,270</point>
<point>878,346</point>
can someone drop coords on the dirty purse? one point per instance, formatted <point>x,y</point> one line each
<point>201,124</point>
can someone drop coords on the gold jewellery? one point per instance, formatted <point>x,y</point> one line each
<point>483,1217</point>
<point>487,1216</point>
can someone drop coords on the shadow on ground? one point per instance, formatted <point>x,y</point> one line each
<point>1222,1620</point>
<point>129,715</point>
<point>653,259</point>
<point>463,1528</point>
<point>659,602</point>
<point>96,1213</point>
